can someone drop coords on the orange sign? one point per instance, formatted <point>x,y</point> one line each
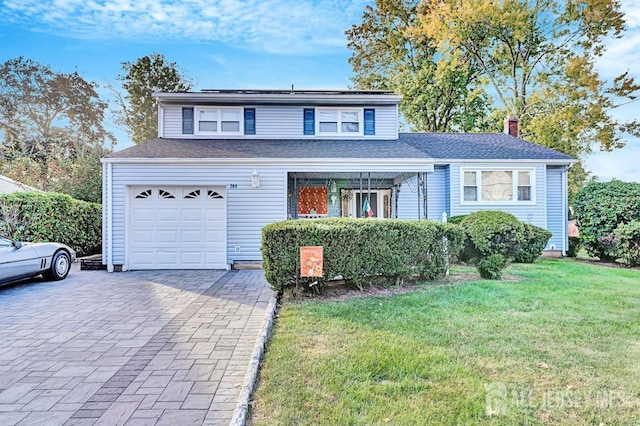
<point>311,261</point>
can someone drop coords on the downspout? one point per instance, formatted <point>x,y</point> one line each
<point>369,191</point>
<point>425,196</point>
<point>295,196</point>
<point>109,215</point>
<point>565,210</point>
<point>360,206</point>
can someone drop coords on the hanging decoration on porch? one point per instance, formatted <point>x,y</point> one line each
<point>313,200</point>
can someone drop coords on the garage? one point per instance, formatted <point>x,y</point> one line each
<point>177,227</point>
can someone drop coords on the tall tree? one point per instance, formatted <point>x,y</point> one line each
<point>138,111</point>
<point>534,59</point>
<point>437,95</point>
<point>50,122</point>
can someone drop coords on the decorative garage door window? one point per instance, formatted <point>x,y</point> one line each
<point>313,200</point>
<point>187,194</point>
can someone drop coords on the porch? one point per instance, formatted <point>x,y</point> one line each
<point>384,195</point>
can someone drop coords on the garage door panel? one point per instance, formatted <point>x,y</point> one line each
<point>190,215</point>
<point>167,237</point>
<point>192,237</point>
<point>167,215</point>
<point>142,214</point>
<point>185,232</point>
<point>142,236</point>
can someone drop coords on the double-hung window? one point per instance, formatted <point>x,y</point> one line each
<point>218,121</point>
<point>344,121</point>
<point>497,186</point>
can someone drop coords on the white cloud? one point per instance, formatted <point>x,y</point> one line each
<point>275,26</point>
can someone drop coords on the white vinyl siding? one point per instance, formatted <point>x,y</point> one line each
<point>556,217</point>
<point>531,212</point>
<point>282,122</point>
<point>248,209</point>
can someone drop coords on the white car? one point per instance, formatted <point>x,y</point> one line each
<point>19,261</point>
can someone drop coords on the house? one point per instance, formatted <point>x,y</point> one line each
<point>228,162</point>
<point>8,185</point>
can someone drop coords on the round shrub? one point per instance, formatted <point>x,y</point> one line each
<point>628,241</point>
<point>599,208</point>
<point>492,232</point>
<point>491,267</point>
<point>535,240</point>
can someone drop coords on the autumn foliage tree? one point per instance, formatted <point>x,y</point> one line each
<point>51,129</point>
<point>138,112</point>
<point>534,59</point>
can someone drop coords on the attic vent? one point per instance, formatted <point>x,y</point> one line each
<point>193,194</point>
<point>165,194</point>
<point>144,194</point>
<point>213,194</point>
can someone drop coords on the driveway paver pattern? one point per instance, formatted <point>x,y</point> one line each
<point>134,348</point>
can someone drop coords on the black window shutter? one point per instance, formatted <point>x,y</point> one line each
<point>309,121</point>
<point>369,121</point>
<point>187,121</point>
<point>249,121</point>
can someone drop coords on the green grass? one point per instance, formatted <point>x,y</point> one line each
<point>561,345</point>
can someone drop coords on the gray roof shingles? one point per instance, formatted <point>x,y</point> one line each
<point>489,146</point>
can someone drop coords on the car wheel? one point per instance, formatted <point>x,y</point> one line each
<point>60,266</point>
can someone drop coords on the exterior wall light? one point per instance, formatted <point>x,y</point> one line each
<point>255,180</point>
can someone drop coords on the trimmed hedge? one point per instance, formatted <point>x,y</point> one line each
<point>535,240</point>
<point>599,208</point>
<point>45,217</point>
<point>628,241</point>
<point>494,238</point>
<point>358,249</point>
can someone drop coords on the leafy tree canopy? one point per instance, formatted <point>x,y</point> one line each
<point>534,59</point>
<point>51,129</point>
<point>138,110</point>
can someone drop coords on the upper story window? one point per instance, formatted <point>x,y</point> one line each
<point>339,121</point>
<point>218,121</point>
<point>497,186</point>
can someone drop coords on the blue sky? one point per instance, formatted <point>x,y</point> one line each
<point>260,44</point>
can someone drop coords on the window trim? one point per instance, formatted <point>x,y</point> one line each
<point>219,132</point>
<point>339,112</point>
<point>514,182</point>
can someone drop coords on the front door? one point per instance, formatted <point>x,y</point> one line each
<point>378,199</point>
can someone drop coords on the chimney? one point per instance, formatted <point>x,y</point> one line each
<point>511,125</point>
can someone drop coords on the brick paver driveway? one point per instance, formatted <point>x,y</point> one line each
<point>132,348</point>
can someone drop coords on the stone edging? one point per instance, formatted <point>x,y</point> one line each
<point>242,407</point>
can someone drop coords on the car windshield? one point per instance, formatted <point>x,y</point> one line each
<point>5,241</point>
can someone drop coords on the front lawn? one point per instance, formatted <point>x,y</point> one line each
<point>558,345</point>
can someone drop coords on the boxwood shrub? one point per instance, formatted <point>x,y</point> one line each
<point>358,249</point>
<point>45,217</point>
<point>535,240</point>
<point>494,238</point>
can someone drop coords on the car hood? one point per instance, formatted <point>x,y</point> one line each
<point>47,249</point>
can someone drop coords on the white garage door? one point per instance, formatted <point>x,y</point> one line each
<point>177,228</point>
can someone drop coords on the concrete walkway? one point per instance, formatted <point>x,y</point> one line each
<point>134,348</point>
